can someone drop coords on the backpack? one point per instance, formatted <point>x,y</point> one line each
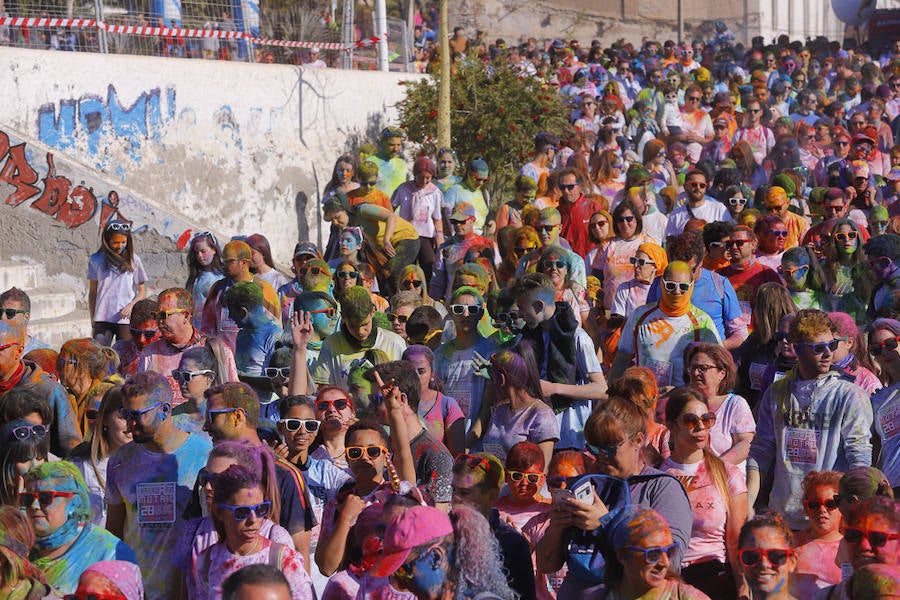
<point>587,552</point>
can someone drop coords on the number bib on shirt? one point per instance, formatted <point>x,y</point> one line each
<point>156,503</point>
<point>890,421</point>
<point>801,446</point>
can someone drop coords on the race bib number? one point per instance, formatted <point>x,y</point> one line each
<point>757,371</point>
<point>156,503</point>
<point>662,371</point>
<point>890,420</point>
<point>225,322</point>
<point>801,445</point>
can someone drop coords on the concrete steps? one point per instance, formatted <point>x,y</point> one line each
<point>58,307</point>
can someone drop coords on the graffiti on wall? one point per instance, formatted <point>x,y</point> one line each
<point>54,194</point>
<point>91,117</point>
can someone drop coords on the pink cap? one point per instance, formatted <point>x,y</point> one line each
<point>414,527</point>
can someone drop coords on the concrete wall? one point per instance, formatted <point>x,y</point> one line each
<point>186,145</point>
<point>610,20</point>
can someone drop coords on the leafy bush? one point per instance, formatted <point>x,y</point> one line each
<point>495,114</point>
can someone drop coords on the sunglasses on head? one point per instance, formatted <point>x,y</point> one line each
<point>310,425</point>
<point>888,345</point>
<point>696,422</point>
<point>339,404</point>
<point>653,555</point>
<point>411,283</point>
<point>394,317</point>
<point>273,372</point>
<point>750,557</point>
<point>45,498</point>
<point>830,504</point>
<point>877,539</point>
<point>242,513</point>
<point>10,313</point>
<point>119,226</point>
<point>188,376</point>
<point>673,286</point>
<point>737,201</point>
<point>467,310</point>
<point>534,478</point>
<point>373,452</point>
<point>24,432</point>
<point>640,262</point>
<point>820,347</point>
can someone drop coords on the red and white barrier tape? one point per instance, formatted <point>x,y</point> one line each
<point>181,33</point>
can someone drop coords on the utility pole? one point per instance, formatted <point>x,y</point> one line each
<point>381,32</point>
<point>443,125</point>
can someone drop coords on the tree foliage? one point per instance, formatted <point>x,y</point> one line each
<point>495,114</point>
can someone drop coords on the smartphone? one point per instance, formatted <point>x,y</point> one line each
<point>584,492</point>
<point>557,494</point>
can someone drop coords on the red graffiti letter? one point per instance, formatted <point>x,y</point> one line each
<point>78,208</point>
<point>18,173</point>
<point>56,190</point>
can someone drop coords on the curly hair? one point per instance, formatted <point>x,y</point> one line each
<point>686,246</point>
<point>809,323</point>
<point>767,519</point>
<point>820,478</point>
<point>477,560</point>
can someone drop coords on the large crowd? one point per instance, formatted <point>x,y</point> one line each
<point>667,366</point>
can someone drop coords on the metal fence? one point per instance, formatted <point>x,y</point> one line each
<point>271,31</point>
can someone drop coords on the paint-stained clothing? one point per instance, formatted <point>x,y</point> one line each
<point>821,424</point>
<point>115,288</point>
<point>658,341</point>
<point>886,406</point>
<point>163,358</point>
<point>198,535</point>
<point>341,353</point>
<point>215,320</point>
<point>65,434</point>
<point>433,465</point>
<point>92,545</point>
<point>200,290</point>
<point>155,489</point>
<point>253,350</point>
<point>214,566</point>
<point>534,423</point>
<point>454,367</point>
<point>391,173</point>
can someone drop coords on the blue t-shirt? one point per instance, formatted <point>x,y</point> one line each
<point>717,299</point>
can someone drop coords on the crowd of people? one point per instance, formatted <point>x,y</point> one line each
<point>667,366</point>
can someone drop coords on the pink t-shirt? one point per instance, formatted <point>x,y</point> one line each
<point>518,515</point>
<point>214,566</point>
<point>440,415</point>
<point>732,417</point>
<point>815,568</point>
<point>710,508</point>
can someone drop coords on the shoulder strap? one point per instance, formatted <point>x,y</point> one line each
<point>637,326</point>
<point>696,325</point>
<point>276,554</point>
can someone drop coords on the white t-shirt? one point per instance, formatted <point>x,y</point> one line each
<point>711,210</point>
<point>115,288</point>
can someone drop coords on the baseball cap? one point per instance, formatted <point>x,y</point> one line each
<point>462,211</point>
<point>305,249</point>
<point>414,527</point>
<point>859,168</point>
<point>862,137</point>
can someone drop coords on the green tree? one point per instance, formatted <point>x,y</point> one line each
<point>494,113</point>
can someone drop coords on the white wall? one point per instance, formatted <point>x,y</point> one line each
<point>223,146</point>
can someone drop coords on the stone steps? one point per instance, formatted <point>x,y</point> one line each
<point>58,311</point>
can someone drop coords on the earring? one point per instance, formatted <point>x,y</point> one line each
<point>104,429</point>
